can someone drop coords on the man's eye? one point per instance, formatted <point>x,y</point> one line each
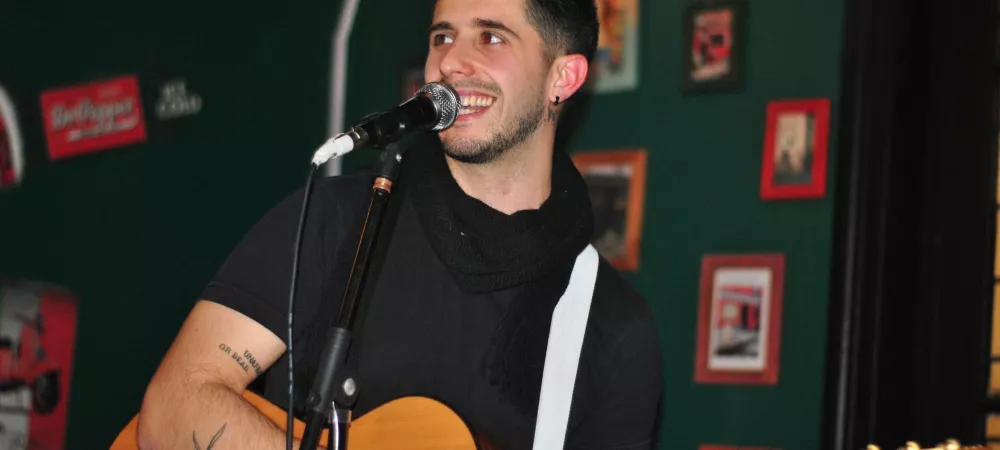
<point>440,39</point>
<point>490,38</point>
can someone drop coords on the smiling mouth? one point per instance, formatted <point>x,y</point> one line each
<point>473,104</point>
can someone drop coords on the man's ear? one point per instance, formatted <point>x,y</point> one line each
<point>569,73</point>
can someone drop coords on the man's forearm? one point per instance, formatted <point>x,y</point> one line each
<point>203,417</point>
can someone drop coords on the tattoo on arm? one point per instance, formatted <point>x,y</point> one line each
<point>218,434</point>
<point>253,362</point>
<point>246,361</point>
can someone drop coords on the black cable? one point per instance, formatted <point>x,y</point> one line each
<point>289,437</point>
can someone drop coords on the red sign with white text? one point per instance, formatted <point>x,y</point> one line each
<point>94,116</point>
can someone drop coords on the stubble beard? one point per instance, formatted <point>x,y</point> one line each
<point>499,139</point>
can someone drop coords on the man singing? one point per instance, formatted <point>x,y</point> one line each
<point>483,230</point>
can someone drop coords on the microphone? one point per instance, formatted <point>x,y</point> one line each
<point>434,106</point>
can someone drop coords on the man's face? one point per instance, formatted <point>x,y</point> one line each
<point>493,57</point>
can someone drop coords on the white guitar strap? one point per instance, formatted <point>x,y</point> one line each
<point>569,322</point>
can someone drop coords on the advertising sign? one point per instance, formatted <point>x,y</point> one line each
<point>91,117</point>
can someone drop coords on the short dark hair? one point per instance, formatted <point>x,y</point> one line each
<point>567,27</point>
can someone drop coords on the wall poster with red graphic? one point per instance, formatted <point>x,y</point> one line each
<point>37,342</point>
<point>94,116</point>
<point>714,45</point>
<point>739,319</point>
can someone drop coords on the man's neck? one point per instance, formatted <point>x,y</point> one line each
<point>520,179</point>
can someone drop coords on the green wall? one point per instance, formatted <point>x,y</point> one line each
<point>137,231</point>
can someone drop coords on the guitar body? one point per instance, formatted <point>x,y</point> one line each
<point>408,423</point>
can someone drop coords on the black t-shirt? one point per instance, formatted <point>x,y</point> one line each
<point>421,334</point>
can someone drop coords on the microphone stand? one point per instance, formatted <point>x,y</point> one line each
<point>335,386</point>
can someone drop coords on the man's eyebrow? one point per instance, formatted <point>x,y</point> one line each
<point>478,23</point>
<point>445,26</point>
<point>496,25</point>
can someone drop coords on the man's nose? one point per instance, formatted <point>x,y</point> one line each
<point>457,61</point>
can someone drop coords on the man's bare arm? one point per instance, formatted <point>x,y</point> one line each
<point>194,400</point>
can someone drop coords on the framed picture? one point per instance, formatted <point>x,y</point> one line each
<point>40,320</point>
<point>615,66</point>
<point>617,183</point>
<point>714,45</point>
<point>795,149</point>
<point>412,81</point>
<point>739,319</point>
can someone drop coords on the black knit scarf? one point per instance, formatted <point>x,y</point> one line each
<point>486,250</point>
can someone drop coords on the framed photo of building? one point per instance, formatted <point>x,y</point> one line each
<point>615,67</point>
<point>739,319</point>
<point>714,45</point>
<point>616,180</point>
<point>795,149</point>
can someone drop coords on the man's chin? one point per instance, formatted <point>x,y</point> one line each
<point>468,157</point>
<point>467,151</point>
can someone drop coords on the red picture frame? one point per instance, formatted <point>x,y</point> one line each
<point>797,168</point>
<point>739,319</point>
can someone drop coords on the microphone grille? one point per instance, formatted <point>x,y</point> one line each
<point>445,101</point>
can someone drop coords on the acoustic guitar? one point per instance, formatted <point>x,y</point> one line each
<point>408,423</point>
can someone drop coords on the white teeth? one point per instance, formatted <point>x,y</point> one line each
<point>476,101</point>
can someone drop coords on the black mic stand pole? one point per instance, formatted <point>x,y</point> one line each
<point>335,386</point>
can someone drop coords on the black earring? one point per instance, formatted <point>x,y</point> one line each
<point>557,99</point>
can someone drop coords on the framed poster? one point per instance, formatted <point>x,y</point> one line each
<point>11,145</point>
<point>37,344</point>
<point>615,66</point>
<point>795,149</point>
<point>616,180</point>
<point>714,45</point>
<point>739,319</point>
